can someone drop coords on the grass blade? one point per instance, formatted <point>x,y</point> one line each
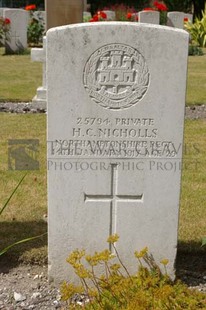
<point>6,203</point>
<point>204,241</point>
<point>19,242</point>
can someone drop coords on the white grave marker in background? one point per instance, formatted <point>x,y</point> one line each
<point>150,17</point>
<point>116,100</point>
<point>87,16</point>
<point>111,16</point>
<point>189,17</point>
<point>39,55</point>
<point>175,19</point>
<point>18,30</point>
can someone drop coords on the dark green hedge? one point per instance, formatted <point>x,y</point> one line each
<point>21,3</point>
<point>100,4</point>
<point>177,5</point>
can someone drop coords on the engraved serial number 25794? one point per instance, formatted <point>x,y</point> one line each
<point>92,121</point>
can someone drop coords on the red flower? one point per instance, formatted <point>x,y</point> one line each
<point>129,15</point>
<point>99,16</point>
<point>95,18</point>
<point>102,14</point>
<point>186,19</point>
<point>160,6</point>
<point>30,7</point>
<point>148,9</point>
<point>7,21</point>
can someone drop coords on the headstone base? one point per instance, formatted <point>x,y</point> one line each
<point>40,99</point>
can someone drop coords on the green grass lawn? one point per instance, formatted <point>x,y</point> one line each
<point>196,80</point>
<point>24,215</point>
<point>20,78</point>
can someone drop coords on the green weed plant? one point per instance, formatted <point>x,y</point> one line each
<point>35,33</point>
<point>195,50</point>
<point>198,29</point>
<point>116,289</point>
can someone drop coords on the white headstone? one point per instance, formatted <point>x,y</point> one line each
<point>18,30</point>
<point>87,16</point>
<point>149,17</point>
<point>189,17</point>
<point>39,55</point>
<point>175,19</point>
<point>111,16</point>
<point>2,12</point>
<point>1,15</point>
<point>115,131</point>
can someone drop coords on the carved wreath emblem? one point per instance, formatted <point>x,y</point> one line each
<point>116,76</point>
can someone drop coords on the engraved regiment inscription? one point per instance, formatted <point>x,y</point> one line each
<point>116,76</point>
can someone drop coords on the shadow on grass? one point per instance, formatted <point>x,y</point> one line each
<point>30,252</point>
<point>190,261</point>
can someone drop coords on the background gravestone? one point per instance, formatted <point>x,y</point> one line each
<point>175,19</point>
<point>39,55</point>
<point>111,16</point>
<point>189,17</point>
<point>116,99</point>
<point>151,17</point>
<point>87,16</point>
<point>18,30</point>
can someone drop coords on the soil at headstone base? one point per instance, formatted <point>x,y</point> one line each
<point>27,286</point>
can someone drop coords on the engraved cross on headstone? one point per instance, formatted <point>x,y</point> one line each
<point>113,198</point>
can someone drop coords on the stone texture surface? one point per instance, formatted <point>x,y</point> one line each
<point>116,99</point>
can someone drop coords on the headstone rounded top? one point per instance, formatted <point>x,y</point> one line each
<point>115,24</point>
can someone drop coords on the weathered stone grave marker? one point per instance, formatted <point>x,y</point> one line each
<point>87,16</point>
<point>39,55</point>
<point>150,17</point>
<point>18,30</point>
<point>111,16</point>
<point>175,19</point>
<point>116,98</point>
<point>189,17</point>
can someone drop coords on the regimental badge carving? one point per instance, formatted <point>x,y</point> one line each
<point>116,76</point>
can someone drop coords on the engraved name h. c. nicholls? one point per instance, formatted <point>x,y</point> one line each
<point>116,76</point>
